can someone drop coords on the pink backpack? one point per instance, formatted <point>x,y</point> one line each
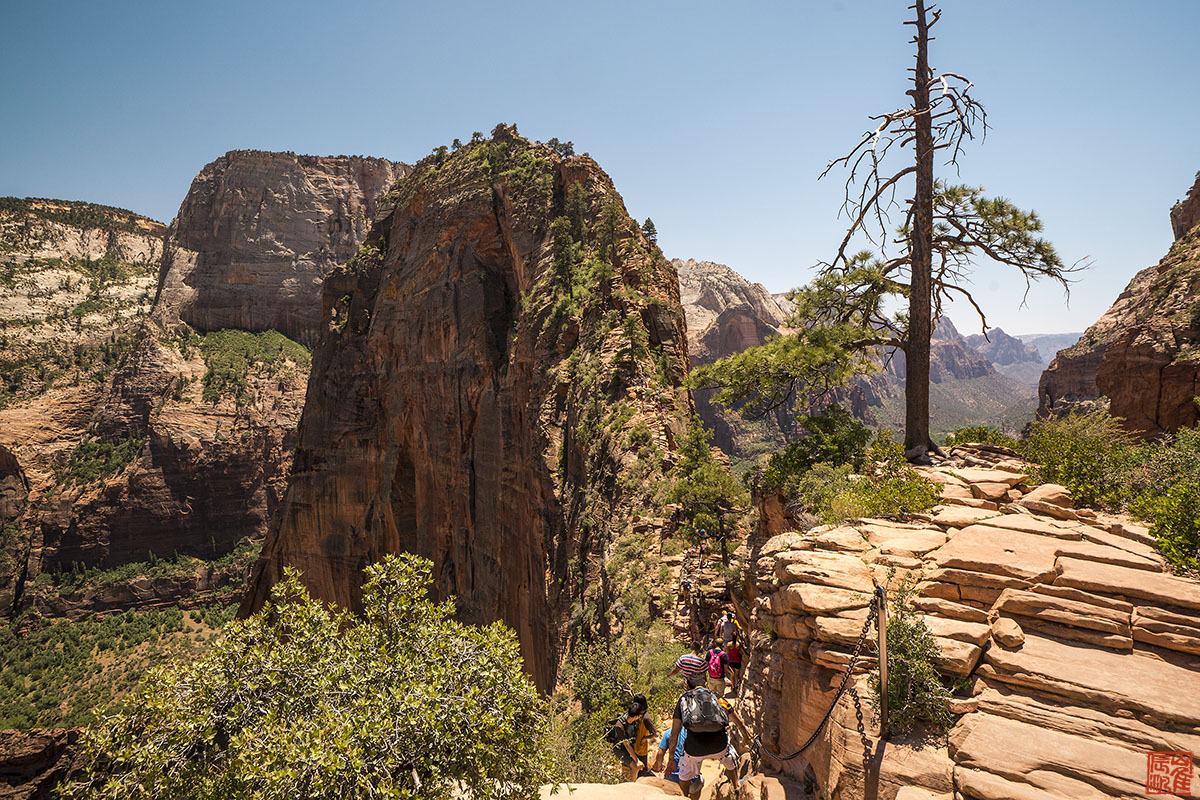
<point>715,669</point>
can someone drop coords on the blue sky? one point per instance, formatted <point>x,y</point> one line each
<point>714,119</point>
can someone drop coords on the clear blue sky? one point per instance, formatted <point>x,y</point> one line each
<point>713,118</point>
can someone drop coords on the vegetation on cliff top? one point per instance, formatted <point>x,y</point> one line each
<point>1102,466</point>
<point>79,214</point>
<point>298,702</point>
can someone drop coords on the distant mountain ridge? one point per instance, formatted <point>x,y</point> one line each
<point>726,314</point>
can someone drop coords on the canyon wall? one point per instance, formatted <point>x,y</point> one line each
<point>153,438</point>
<point>498,388</point>
<point>1143,354</point>
<point>257,234</point>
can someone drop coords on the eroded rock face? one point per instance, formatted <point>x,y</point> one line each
<point>727,314</point>
<point>1142,353</point>
<point>258,233</point>
<point>210,420</point>
<point>466,407</point>
<point>1003,349</point>
<point>1079,649</point>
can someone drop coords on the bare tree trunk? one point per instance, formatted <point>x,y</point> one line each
<point>916,386</point>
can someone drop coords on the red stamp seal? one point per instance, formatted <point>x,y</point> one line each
<point>1169,773</point>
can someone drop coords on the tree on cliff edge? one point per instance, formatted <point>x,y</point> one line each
<point>841,318</point>
<point>708,495</point>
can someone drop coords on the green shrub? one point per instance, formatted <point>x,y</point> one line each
<point>94,461</point>
<point>231,355</point>
<point>1175,524</point>
<point>834,437</point>
<point>917,695</point>
<point>981,434</point>
<point>1089,454</point>
<point>887,487</point>
<point>301,701</point>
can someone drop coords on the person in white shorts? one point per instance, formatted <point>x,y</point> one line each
<point>700,746</point>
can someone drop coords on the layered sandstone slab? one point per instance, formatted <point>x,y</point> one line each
<point>1080,653</point>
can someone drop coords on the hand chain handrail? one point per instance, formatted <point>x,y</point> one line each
<point>862,638</point>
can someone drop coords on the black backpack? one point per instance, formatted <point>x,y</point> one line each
<point>700,711</point>
<point>616,730</point>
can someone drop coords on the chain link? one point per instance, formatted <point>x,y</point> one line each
<point>872,616</point>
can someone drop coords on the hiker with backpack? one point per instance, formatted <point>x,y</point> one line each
<point>630,735</point>
<point>700,712</point>
<point>717,661</point>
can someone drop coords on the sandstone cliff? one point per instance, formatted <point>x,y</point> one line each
<point>257,234</point>
<point>1077,653</point>
<point>727,314</point>
<point>498,388</point>
<point>1142,353</point>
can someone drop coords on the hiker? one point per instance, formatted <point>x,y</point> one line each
<point>726,628</point>
<point>733,652</point>
<point>690,663</point>
<point>706,722</point>
<point>631,733</point>
<point>717,662</point>
<point>672,776</point>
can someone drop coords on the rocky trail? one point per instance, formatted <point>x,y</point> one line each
<point>1076,650</point>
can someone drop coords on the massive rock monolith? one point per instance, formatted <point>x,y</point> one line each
<point>498,388</point>
<point>257,234</point>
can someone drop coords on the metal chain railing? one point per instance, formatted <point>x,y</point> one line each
<point>872,616</point>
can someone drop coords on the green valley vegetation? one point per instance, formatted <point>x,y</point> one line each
<point>78,214</point>
<point>96,460</point>
<point>304,701</point>
<point>843,320</point>
<point>65,673</point>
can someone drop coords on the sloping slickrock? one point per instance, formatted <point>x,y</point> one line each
<point>1063,611</point>
<point>1051,493</point>
<point>1101,678</point>
<point>979,475</point>
<point>828,569</point>
<point>809,599</point>
<point>1114,580</point>
<point>1061,765</point>
<point>1081,653</point>
<point>961,516</point>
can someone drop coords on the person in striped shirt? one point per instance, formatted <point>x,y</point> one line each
<point>690,663</point>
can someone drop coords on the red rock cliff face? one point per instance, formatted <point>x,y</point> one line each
<point>473,393</point>
<point>257,234</point>
<point>1143,353</point>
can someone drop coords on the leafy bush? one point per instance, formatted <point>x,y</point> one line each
<point>1087,453</point>
<point>230,355</point>
<point>916,694</point>
<point>887,487</point>
<point>301,701</point>
<point>834,437</point>
<point>981,434</point>
<point>1175,524</point>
